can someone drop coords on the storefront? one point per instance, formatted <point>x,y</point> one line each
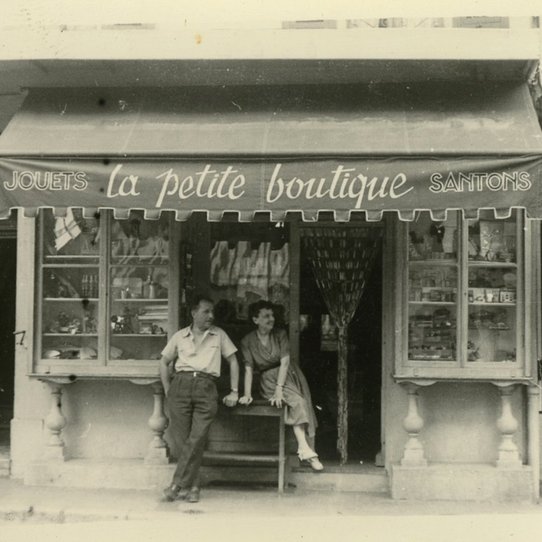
<point>391,225</point>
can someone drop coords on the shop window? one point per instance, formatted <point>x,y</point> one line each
<point>492,289</point>
<point>463,292</point>
<point>103,292</point>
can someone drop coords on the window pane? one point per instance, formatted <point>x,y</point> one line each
<point>139,287</point>
<point>70,286</point>
<point>432,289</point>
<point>70,238</point>
<point>492,289</point>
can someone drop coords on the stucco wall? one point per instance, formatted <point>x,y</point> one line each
<point>104,420</point>
<point>107,419</point>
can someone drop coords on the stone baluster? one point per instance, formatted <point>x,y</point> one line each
<point>158,453</point>
<point>508,455</point>
<point>413,455</point>
<point>55,423</point>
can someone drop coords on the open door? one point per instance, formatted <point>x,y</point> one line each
<point>318,358</point>
<point>8,270</point>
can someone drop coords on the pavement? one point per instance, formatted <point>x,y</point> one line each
<point>19,502</point>
<point>253,513</point>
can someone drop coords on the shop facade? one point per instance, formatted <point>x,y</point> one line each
<point>392,227</point>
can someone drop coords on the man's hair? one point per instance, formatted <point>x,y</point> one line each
<point>255,308</point>
<point>197,299</point>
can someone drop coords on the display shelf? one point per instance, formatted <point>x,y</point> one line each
<point>160,300</point>
<point>490,304</point>
<point>72,257</point>
<point>78,299</point>
<point>449,303</point>
<point>429,357</point>
<point>139,335</point>
<point>70,334</point>
<point>435,262</point>
<point>70,266</point>
<point>431,327</point>
<point>508,328</point>
<point>136,257</point>
<point>485,263</point>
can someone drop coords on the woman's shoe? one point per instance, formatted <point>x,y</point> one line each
<point>311,459</point>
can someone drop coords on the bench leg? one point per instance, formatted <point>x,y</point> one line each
<point>282,454</point>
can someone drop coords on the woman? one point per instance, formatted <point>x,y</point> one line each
<point>266,350</point>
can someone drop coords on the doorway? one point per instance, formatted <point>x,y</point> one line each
<point>8,270</point>
<point>318,361</point>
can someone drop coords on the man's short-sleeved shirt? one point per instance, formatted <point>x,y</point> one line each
<point>204,356</point>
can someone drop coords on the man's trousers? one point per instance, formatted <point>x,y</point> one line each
<point>192,401</point>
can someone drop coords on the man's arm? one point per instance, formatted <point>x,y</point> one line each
<point>232,397</point>
<point>165,373</point>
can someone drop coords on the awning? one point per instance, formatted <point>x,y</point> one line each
<point>278,149</point>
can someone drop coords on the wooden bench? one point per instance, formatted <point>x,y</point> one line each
<point>258,408</point>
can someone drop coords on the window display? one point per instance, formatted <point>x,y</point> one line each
<point>432,289</point>
<point>103,288</point>
<point>138,286</point>
<point>70,286</point>
<point>464,290</point>
<point>492,287</point>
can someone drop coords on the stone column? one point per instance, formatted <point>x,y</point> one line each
<point>508,455</point>
<point>413,455</point>
<point>158,453</point>
<point>55,423</point>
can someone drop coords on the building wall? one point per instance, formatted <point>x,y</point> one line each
<point>104,420</point>
<point>460,422</point>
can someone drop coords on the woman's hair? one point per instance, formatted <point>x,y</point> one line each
<point>255,308</point>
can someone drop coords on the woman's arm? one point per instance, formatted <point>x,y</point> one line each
<point>281,379</point>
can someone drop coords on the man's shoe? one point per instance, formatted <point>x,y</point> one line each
<point>174,492</point>
<point>193,495</point>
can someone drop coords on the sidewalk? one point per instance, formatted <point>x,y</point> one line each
<point>54,504</point>
<point>257,514</point>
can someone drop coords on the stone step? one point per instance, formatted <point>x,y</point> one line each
<point>134,474</point>
<point>362,479</point>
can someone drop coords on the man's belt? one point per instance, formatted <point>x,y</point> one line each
<point>196,374</point>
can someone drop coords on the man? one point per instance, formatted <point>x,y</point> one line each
<point>189,369</point>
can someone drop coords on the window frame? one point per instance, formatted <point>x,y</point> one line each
<point>460,368</point>
<point>102,365</point>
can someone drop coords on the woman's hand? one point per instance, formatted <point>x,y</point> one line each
<point>245,400</point>
<point>277,398</point>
